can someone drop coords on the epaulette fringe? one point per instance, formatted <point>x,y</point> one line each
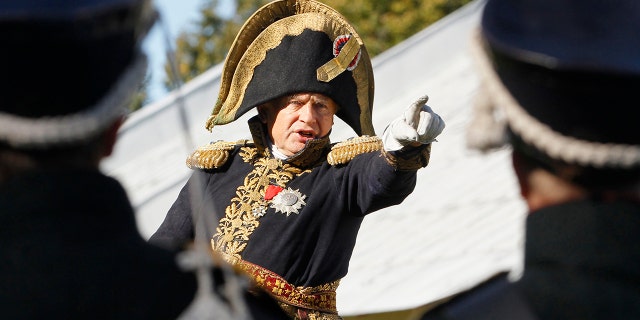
<point>345,151</point>
<point>213,155</point>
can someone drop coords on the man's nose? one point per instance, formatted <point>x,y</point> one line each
<point>307,113</point>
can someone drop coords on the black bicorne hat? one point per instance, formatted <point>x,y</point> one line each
<point>291,46</point>
<point>69,66</point>
<point>565,74</point>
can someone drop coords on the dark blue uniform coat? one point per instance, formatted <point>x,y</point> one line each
<point>308,243</point>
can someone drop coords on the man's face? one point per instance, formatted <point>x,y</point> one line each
<point>293,120</point>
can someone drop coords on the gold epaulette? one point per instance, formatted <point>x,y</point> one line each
<point>213,155</point>
<point>345,151</point>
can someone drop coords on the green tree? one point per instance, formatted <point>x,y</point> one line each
<point>207,44</point>
<point>382,24</point>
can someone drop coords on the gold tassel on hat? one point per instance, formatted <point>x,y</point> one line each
<point>340,63</point>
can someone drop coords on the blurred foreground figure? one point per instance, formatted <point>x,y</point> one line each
<point>286,207</point>
<point>563,76</point>
<point>69,245</point>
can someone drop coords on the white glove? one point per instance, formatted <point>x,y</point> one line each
<point>417,125</point>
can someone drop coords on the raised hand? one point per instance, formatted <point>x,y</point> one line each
<point>418,125</point>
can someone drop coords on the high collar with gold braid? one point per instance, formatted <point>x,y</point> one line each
<point>215,154</point>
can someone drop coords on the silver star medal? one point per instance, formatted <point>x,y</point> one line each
<point>288,201</point>
<point>259,211</point>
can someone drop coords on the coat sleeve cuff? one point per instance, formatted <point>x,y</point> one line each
<point>409,158</point>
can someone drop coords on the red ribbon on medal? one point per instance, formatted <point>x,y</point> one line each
<point>271,191</point>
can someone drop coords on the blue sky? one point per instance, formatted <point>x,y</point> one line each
<point>177,16</point>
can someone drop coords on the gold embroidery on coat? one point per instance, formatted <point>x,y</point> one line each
<point>239,222</point>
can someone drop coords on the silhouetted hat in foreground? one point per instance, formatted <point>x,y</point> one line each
<point>562,77</point>
<point>69,68</point>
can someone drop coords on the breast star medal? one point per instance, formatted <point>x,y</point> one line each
<point>288,201</point>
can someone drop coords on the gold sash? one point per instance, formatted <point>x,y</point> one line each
<point>319,301</point>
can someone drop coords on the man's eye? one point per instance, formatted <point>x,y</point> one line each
<point>323,109</point>
<point>293,105</point>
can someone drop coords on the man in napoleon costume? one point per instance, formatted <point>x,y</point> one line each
<point>287,205</point>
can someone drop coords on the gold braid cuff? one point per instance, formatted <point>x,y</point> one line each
<point>414,161</point>
<point>321,298</point>
<point>345,151</point>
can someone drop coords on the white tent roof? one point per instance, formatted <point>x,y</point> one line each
<point>463,223</point>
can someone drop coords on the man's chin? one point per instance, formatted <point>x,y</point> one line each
<point>297,147</point>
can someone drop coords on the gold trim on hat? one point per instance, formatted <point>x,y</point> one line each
<point>263,31</point>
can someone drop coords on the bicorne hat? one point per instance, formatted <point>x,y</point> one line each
<point>562,76</point>
<point>291,46</point>
<point>69,67</point>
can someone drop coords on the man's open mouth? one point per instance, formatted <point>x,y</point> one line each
<point>306,134</point>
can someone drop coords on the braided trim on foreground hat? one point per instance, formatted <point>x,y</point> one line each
<point>554,144</point>
<point>55,130</point>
